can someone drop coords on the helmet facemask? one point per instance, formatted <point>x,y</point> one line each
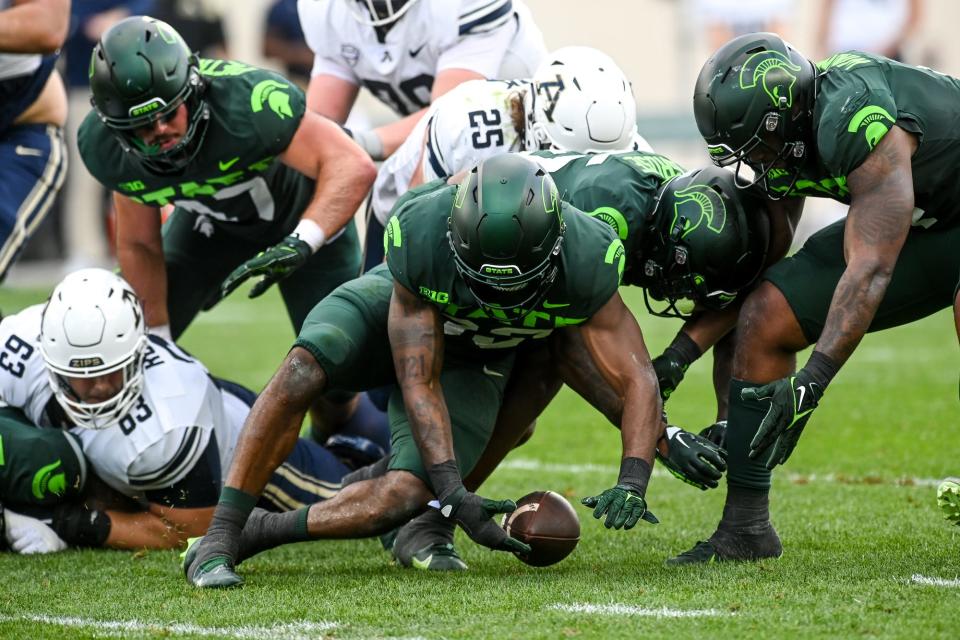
<point>379,13</point>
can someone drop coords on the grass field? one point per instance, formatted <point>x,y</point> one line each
<point>866,554</point>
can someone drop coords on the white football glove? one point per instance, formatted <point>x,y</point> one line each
<point>28,535</point>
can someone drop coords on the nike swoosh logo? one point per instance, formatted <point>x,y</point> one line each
<point>422,564</point>
<point>550,305</point>
<point>415,52</point>
<point>801,390</point>
<point>27,151</point>
<point>490,372</point>
<point>229,163</point>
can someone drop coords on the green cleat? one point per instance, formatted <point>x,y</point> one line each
<point>212,573</point>
<point>948,499</point>
<point>436,557</point>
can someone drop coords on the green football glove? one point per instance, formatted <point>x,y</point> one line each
<point>624,504</point>
<point>693,459</point>
<point>792,400</point>
<point>624,507</point>
<point>274,264</point>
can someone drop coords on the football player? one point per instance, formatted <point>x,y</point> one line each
<point>470,286</point>
<point>261,187</point>
<point>153,423</point>
<point>861,129</point>
<point>578,100</point>
<point>689,237</point>
<point>407,53</point>
<point>32,114</point>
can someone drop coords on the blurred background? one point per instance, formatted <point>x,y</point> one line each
<point>660,44</point>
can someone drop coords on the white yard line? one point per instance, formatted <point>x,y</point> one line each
<point>523,464</point>
<point>118,628</point>
<point>934,582</point>
<point>630,610</point>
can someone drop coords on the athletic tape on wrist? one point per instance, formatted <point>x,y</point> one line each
<point>311,233</point>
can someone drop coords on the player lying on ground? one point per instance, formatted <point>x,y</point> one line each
<point>494,291</point>
<point>861,129</point>
<point>153,423</point>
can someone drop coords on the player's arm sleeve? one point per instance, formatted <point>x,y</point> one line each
<point>484,32</point>
<point>847,134</point>
<point>181,470</point>
<point>317,25</point>
<point>276,109</point>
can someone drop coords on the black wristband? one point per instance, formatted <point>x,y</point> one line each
<point>80,526</point>
<point>685,350</point>
<point>635,473</point>
<point>822,368</point>
<point>445,478</point>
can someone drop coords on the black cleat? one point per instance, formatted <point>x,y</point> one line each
<point>724,546</point>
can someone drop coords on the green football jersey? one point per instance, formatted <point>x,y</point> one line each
<point>421,259</point>
<point>619,188</point>
<point>235,178</point>
<point>860,96</point>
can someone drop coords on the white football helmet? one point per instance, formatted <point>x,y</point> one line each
<point>93,325</point>
<point>379,13</point>
<point>580,101</point>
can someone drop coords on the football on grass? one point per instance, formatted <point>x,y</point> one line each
<point>545,521</point>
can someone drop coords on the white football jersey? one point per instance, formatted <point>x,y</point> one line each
<point>464,127</point>
<point>163,436</point>
<point>495,38</point>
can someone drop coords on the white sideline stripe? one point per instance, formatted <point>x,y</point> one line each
<point>283,631</point>
<point>630,610</point>
<point>522,464</point>
<point>934,582</point>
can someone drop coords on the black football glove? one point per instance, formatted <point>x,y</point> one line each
<point>693,459</point>
<point>473,513</point>
<point>673,363</point>
<point>716,433</point>
<point>792,400</point>
<point>274,264</point>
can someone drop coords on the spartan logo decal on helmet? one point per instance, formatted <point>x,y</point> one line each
<point>506,232</point>
<point>93,325</point>
<point>580,101</point>
<point>753,103</point>
<point>707,241</point>
<point>141,72</point>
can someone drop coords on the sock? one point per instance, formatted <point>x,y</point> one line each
<point>266,530</point>
<point>743,420</point>
<point>223,535</point>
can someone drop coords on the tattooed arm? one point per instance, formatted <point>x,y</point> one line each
<point>416,339</point>
<point>876,228</point>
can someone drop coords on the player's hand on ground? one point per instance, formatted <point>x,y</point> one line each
<point>475,515</point>
<point>623,507</point>
<point>694,459</point>
<point>792,400</point>
<point>28,535</point>
<point>274,264</point>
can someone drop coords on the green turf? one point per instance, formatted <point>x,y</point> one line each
<point>855,525</point>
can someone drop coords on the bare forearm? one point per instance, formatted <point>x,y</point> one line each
<point>854,303</point>
<point>341,188</point>
<point>273,425</point>
<point>642,421</point>
<point>394,134</point>
<point>35,27</point>
<point>145,269</point>
<point>143,530</point>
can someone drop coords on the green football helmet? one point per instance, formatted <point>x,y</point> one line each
<point>753,102</point>
<point>506,231</point>
<point>707,242</point>
<point>141,71</point>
